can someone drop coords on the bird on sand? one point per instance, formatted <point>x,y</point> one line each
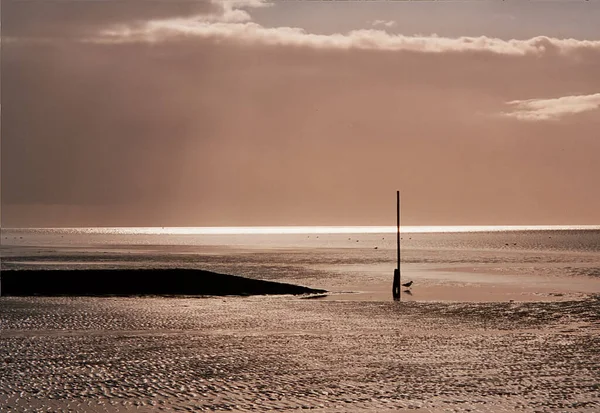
<point>408,284</point>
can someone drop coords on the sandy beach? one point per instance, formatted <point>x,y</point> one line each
<point>483,329</point>
<point>286,354</point>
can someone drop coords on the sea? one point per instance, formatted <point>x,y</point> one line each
<point>324,257</point>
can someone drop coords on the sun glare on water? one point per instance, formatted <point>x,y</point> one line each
<point>270,230</point>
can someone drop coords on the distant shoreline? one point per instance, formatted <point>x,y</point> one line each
<point>139,282</point>
<point>291,230</point>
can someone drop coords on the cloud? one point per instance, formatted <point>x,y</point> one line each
<point>246,3</point>
<point>230,11</point>
<point>76,18</point>
<point>253,33</point>
<point>133,21</point>
<point>551,109</point>
<point>69,19</point>
<point>228,14</point>
<point>386,23</point>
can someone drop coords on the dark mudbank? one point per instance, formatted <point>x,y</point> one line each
<point>129,282</point>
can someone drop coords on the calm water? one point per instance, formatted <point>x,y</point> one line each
<point>307,253</point>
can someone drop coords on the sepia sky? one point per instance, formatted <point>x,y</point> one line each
<point>199,113</point>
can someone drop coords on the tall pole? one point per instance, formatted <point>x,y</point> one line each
<point>396,283</point>
<point>398,225</point>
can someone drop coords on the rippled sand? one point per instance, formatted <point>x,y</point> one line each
<point>355,350</point>
<point>285,353</point>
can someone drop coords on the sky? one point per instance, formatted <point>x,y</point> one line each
<point>250,112</point>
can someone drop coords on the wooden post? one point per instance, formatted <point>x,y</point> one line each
<point>396,284</point>
<point>398,225</point>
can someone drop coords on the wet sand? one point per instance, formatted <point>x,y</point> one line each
<point>457,343</point>
<point>286,354</point>
<point>476,283</point>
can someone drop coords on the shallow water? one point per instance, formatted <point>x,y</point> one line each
<point>582,239</point>
<point>337,262</point>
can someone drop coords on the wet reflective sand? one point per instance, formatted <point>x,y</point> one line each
<point>456,344</point>
<point>286,353</point>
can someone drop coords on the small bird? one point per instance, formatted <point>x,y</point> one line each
<point>408,284</point>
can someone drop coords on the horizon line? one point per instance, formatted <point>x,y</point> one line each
<point>308,229</point>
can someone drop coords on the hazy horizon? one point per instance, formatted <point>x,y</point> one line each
<point>290,113</point>
<point>291,229</point>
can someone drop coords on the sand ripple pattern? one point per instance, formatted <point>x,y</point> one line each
<point>289,354</point>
